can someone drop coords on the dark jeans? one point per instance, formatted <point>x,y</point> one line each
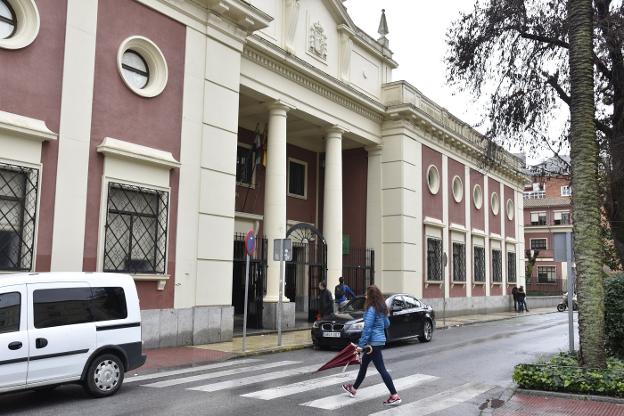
<point>377,359</point>
<point>522,306</point>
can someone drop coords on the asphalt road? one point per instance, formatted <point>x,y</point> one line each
<point>452,375</point>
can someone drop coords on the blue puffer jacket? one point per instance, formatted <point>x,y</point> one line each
<point>374,325</point>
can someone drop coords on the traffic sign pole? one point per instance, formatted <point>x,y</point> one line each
<point>279,300</point>
<point>250,246</point>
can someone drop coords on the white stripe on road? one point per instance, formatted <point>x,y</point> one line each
<point>437,402</point>
<point>208,376</point>
<point>188,370</point>
<point>378,390</point>
<point>307,385</point>
<point>245,381</point>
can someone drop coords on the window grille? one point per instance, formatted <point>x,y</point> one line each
<point>497,266</point>
<point>434,259</point>
<point>459,262</point>
<point>546,274</point>
<point>511,267</point>
<point>244,165</point>
<point>136,230</point>
<point>479,264</point>
<point>538,244</point>
<point>18,213</point>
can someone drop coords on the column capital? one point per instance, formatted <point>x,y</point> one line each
<point>280,106</point>
<point>335,131</point>
<point>374,149</point>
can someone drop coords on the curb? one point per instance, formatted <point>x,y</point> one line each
<point>491,320</point>
<point>270,350</point>
<point>572,396</point>
<point>503,397</point>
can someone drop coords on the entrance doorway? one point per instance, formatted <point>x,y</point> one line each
<point>257,282</point>
<point>306,270</point>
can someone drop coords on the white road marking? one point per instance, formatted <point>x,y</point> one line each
<point>437,402</point>
<point>208,376</point>
<point>307,385</point>
<point>378,390</point>
<point>245,381</point>
<point>188,370</point>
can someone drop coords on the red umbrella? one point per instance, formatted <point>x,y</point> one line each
<point>348,355</point>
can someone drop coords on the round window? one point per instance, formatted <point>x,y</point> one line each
<point>458,189</point>
<point>135,69</point>
<point>142,66</point>
<point>510,209</point>
<point>433,179</point>
<point>8,22</point>
<point>477,196</point>
<point>19,23</point>
<point>495,203</point>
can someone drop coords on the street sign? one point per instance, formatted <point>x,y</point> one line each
<point>250,243</point>
<point>282,249</point>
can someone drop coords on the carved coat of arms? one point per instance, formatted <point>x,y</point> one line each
<point>318,41</point>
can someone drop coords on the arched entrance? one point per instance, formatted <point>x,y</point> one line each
<point>307,269</point>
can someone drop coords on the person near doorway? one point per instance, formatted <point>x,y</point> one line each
<point>342,292</point>
<point>326,302</point>
<point>514,293</point>
<point>372,342</point>
<point>522,306</point>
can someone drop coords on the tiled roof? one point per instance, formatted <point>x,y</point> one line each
<point>558,201</point>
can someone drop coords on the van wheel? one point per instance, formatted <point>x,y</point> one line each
<point>104,376</point>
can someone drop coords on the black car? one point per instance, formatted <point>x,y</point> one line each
<point>409,318</point>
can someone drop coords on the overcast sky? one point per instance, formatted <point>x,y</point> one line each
<point>417,37</point>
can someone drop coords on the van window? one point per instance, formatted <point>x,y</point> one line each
<point>69,306</point>
<point>10,312</point>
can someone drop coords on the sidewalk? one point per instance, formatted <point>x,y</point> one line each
<point>535,405</point>
<point>162,358</point>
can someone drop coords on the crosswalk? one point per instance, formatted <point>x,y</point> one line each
<point>299,383</point>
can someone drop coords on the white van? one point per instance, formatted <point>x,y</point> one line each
<point>58,328</point>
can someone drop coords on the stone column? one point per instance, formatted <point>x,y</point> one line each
<point>275,192</point>
<point>332,207</point>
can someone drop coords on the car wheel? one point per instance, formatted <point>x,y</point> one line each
<point>104,376</point>
<point>427,332</point>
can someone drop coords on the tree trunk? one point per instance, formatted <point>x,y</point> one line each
<point>584,155</point>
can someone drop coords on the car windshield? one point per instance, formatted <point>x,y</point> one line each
<point>355,305</point>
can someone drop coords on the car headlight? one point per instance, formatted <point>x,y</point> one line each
<point>358,326</point>
<point>315,324</point>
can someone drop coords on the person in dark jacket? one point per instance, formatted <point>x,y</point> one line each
<point>514,293</point>
<point>522,306</point>
<point>372,342</point>
<point>326,302</point>
<point>342,292</point>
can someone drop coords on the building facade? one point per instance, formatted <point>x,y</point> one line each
<point>146,136</point>
<point>548,221</point>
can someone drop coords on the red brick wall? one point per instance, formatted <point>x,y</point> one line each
<point>457,210</point>
<point>119,113</point>
<point>477,216</point>
<point>495,219</point>
<point>510,225</point>
<point>354,185</point>
<point>31,81</point>
<point>432,204</point>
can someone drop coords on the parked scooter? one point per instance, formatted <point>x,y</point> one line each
<point>564,304</point>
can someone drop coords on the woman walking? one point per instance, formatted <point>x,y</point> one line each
<point>372,342</point>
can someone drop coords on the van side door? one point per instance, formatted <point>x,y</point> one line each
<point>13,337</point>
<point>61,331</point>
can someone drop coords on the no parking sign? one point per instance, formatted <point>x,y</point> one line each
<point>250,243</point>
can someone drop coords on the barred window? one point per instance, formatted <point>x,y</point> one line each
<point>434,259</point>
<point>497,266</point>
<point>511,267</point>
<point>546,274</point>
<point>18,211</point>
<point>244,165</point>
<point>479,263</point>
<point>459,262</point>
<point>136,230</point>
<point>538,244</point>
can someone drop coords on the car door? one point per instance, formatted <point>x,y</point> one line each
<point>416,315</point>
<point>13,337</point>
<point>397,318</point>
<point>61,332</point>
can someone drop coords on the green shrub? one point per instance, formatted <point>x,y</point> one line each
<point>614,314</point>
<point>562,373</point>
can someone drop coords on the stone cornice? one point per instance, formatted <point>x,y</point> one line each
<point>270,56</point>
<point>26,127</point>
<point>241,13</point>
<point>407,103</point>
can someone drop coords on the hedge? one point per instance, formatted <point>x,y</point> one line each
<point>563,374</point>
<point>614,314</point>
